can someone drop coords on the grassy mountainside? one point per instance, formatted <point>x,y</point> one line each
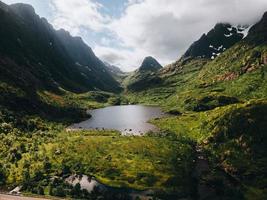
<point>234,139</point>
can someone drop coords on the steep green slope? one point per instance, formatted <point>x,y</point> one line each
<point>238,146</point>
<point>234,139</point>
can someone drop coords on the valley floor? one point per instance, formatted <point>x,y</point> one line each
<point>40,158</point>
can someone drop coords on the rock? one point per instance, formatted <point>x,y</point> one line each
<point>16,191</point>
<point>58,152</point>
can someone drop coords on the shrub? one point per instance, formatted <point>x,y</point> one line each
<point>59,191</point>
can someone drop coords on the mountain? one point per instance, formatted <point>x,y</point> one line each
<point>46,59</point>
<point>198,83</point>
<point>239,71</point>
<point>208,47</point>
<point>216,41</point>
<point>144,76</point>
<point>113,69</point>
<point>150,64</point>
<point>116,72</point>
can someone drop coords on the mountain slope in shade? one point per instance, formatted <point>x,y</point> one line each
<point>258,33</point>
<point>87,63</point>
<point>32,48</point>
<point>216,41</point>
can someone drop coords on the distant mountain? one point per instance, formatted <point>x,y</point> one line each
<point>150,64</point>
<point>114,70</point>
<point>216,41</point>
<point>144,76</point>
<point>34,56</point>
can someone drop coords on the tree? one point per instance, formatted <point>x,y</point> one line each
<point>59,191</point>
<point>76,190</point>
<point>2,175</point>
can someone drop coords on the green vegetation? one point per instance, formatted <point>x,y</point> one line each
<point>35,149</point>
<point>212,112</point>
<point>234,138</point>
<point>219,107</point>
<point>35,158</point>
<point>237,75</point>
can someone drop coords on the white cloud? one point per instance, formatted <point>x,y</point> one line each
<point>127,60</point>
<point>160,28</point>
<point>165,29</point>
<point>75,15</point>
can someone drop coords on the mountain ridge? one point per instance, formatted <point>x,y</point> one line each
<point>216,41</point>
<point>36,43</point>
<point>239,62</point>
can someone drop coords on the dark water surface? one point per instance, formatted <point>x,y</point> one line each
<point>130,119</point>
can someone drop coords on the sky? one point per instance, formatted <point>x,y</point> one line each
<point>124,32</point>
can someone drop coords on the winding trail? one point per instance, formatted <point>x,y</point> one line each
<point>204,191</point>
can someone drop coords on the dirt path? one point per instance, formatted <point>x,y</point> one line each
<point>10,197</point>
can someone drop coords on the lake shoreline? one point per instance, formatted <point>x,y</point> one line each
<point>127,119</point>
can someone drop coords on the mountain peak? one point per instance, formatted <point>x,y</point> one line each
<point>150,63</point>
<point>216,41</point>
<point>23,9</point>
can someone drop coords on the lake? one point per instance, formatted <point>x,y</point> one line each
<point>129,119</point>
